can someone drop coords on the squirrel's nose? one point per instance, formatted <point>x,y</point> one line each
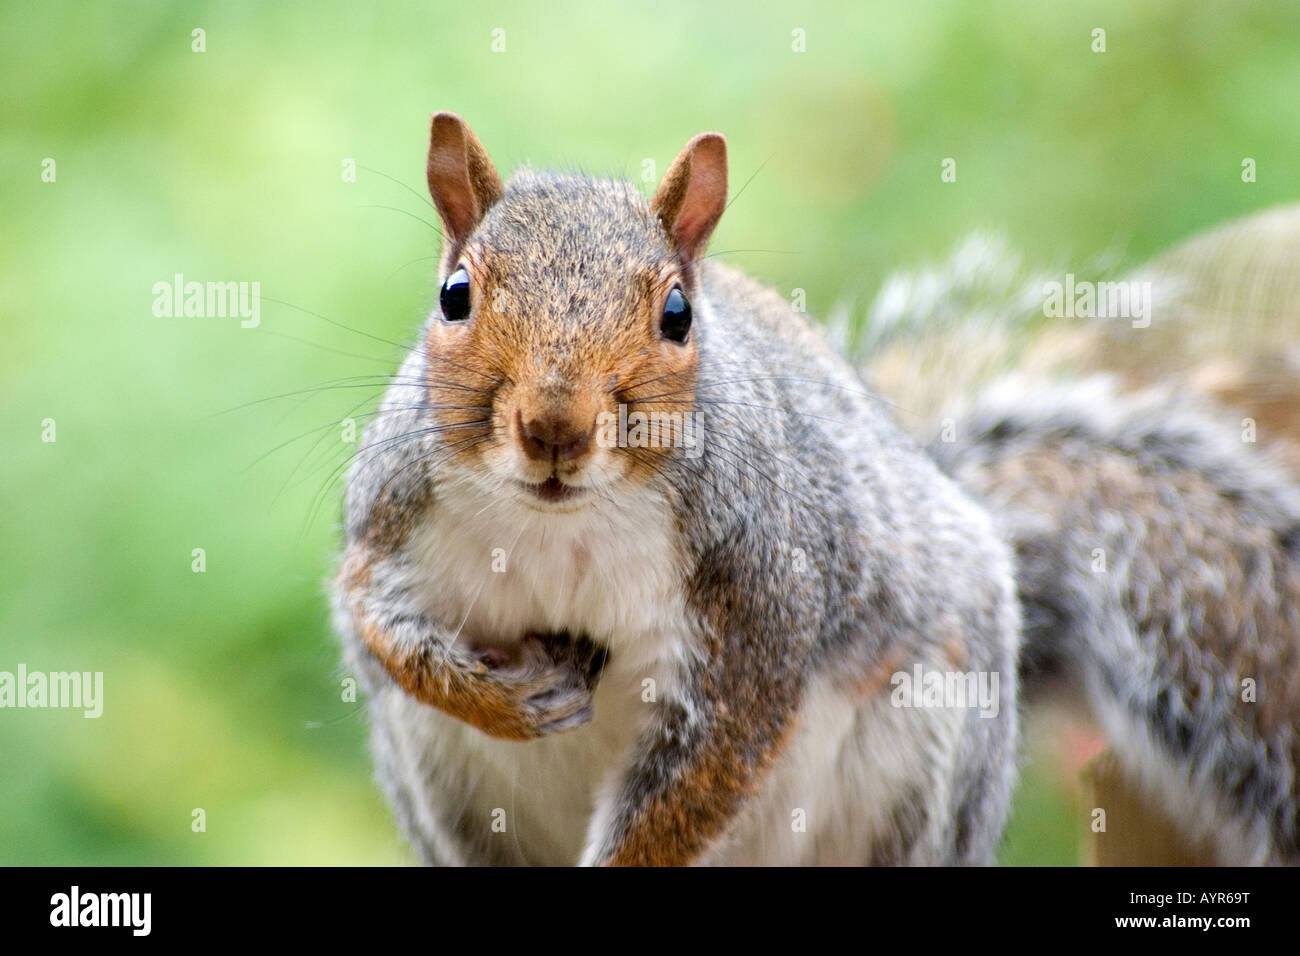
<point>557,438</point>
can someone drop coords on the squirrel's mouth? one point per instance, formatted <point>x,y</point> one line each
<point>553,490</point>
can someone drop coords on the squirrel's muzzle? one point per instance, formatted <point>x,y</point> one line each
<point>556,426</point>
<point>555,438</point>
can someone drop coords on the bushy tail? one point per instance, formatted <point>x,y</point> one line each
<point>1154,510</point>
<point>1220,317</point>
<point>1158,565</point>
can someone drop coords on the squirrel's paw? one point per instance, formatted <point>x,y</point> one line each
<point>552,678</point>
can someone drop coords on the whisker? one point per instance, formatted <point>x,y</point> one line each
<point>767,408</point>
<point>338,384</point>
<point>418,195</point>
<point>404,213</point>
<point>352,413</point>
<point>405,264</point>
<point>323,318</point>
<point>326,348</point>
<point>745,185</point>
<point>453,448</point>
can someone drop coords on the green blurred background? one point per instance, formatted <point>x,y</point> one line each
<point>222,689</point>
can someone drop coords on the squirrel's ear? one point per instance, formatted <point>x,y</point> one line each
<point>693,194</point>
<point>462,180</point>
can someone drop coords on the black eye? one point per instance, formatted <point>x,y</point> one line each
<point>676,322</point>
<point>454,297</point>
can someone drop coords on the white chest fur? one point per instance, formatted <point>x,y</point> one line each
<point>497,570</point>
<point>612,573</point>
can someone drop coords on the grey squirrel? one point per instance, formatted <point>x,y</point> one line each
<point>587,640</point>
<point>585,646</point>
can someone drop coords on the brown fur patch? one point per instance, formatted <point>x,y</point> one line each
<point>500,702</point>
<point>463,692</point>
<point>877,677</point>
<point>674,827</point>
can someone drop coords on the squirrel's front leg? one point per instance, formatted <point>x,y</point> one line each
<point>542,686</point>
<point>708,749</point>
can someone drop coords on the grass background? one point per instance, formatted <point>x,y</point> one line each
<point>222,689</point>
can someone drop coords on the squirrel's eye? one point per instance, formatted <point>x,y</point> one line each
<point>454,297</point>
<point>675,324</point>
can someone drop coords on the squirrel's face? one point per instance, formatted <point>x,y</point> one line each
<point>562,356</point>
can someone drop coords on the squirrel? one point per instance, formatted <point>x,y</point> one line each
<point>586,640</point>
<point>580,646</point>
<point>1157,536</point>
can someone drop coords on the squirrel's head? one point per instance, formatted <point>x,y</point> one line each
<point>565,313</point>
